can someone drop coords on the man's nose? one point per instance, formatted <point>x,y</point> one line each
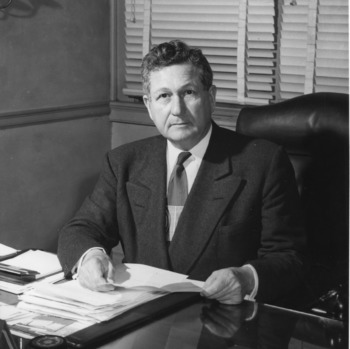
<point>177,106</point>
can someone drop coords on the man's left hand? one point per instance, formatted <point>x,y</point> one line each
<point>229,285</point>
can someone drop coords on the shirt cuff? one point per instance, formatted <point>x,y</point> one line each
<point>76,268</point>
<point>252,295</point>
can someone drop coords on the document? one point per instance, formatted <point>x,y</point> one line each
<point>21,288</point>
<point>134,284</point>
<point>27,324</point>
<point>6,250</point>
<point>140,276</point>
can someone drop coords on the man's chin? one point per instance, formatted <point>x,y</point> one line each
<point>184,140</point>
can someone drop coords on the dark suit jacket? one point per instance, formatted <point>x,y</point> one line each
<point>242,208</point>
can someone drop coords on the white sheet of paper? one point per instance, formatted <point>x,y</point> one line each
<point>72,292</point>
<point>135,275</point>
<point>6,250</point>
<point>132,275</point>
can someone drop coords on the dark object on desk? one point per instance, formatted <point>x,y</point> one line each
<point>332,304</point>
<point>314,129</point>
<point>97,334</point>
<point>48,341</point>
<point>6,339</point>
<point>17,271</point>
<point>17,275</point>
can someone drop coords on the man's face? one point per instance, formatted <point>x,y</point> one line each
<point>179,106</point>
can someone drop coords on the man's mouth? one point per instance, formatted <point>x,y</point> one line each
<point>180,124</point>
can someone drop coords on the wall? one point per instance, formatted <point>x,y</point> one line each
<point>54,106</point>
<point>46,171</point>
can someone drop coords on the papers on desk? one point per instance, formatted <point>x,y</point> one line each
<point>21,288</point>
<point>7,252</point>
<point>71,301</point>
<point>31,265</point>
<point>135,284</point>
<point>27,268</point>
<point>28,324</point>
<point>140,276</point>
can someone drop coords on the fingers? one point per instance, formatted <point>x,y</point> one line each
<point>94,272</point>
<point>223,286</point>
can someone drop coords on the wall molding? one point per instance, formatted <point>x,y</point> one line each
<point>136,114</point>
<point>119,112</point>
<point>61,113</point>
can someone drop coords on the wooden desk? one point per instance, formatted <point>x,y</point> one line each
<point>209,325</point>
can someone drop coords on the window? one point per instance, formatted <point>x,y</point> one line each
<point>261,51</point>
<point>313,47</point>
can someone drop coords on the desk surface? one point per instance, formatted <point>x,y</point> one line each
<point>209,325</point>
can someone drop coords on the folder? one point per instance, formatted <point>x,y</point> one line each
<point>21,269</point>
<point>28,266</point>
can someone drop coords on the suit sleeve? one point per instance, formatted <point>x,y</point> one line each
<point>280,264</point>
<point>95,223</point>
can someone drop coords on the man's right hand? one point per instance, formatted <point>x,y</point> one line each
<point>95,270</point>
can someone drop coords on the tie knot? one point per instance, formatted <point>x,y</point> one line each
<point>183,157</point>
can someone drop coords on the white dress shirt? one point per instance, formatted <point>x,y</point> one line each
<point>192,164</point>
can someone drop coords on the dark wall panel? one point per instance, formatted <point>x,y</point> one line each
<point>54,56</point>
<point>53,53</point>
<point>46,171</point>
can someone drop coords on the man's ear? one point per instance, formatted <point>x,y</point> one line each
<point>212,94</point>
<point>146,101</point>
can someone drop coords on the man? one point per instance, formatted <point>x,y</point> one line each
<point>239,229</point>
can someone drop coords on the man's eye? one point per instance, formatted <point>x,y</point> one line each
<point>163,95</point>
<point>189,92</point>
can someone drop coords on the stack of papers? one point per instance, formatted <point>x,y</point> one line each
<point>134,284</point>
<point>27,324</point>
<point>19,288</point>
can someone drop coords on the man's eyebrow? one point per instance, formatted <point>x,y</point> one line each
<point>161,89</point>
<point>182,88</point>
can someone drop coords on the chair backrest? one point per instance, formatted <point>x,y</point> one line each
<point>314,130</point>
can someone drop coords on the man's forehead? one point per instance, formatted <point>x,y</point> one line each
<point>185,73</point>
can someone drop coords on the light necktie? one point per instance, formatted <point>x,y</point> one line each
<point>177,194</point>
<point>178,189</point>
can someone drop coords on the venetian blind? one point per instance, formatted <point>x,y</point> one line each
<point>239,39</point>
<point>134,20</point>
<point>211,26</point>
<point>294,46</point>
<point>239,47</point>
<point>332,56</point>
<point>260,51</point>
<point>313,47</point>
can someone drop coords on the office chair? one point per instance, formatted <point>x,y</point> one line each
<point>314,130</point>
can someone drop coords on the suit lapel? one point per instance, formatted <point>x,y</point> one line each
<point>210,195</point>
<point>148,201</point>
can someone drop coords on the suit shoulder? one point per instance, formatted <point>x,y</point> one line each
<point>135,148</point>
